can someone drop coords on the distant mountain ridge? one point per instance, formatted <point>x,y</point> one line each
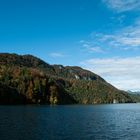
<point>39,82</point>
<point>135,95</point>
<point>134,92</point>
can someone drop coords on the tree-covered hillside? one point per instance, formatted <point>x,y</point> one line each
<point>27,79</point>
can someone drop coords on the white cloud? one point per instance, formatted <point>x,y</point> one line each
<point>91,47</point>
<point>96,49</point>
<point>126,38</point>
<point>123,5</point>
<point>124,73</point>
<point>56,54</point>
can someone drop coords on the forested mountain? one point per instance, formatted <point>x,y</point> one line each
<point>25,79</point>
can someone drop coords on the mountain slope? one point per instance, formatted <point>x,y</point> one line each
<point>39,82</point>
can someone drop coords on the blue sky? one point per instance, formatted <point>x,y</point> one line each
<point>100,35</point>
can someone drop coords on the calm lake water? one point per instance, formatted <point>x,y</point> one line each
<point>75,122</point>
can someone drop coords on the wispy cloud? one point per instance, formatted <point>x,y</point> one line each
<point>123,5</point>
<point>126,38</point>
<point>56,54</point>
<point>119,19</point>
<point>122,72</point>
<point>96,49</point>
<point>91,47</point>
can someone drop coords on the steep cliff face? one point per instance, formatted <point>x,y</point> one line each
<point>27,79</point>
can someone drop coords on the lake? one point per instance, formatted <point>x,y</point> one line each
<point>70,122</point>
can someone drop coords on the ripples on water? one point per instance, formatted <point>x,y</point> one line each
<point>89,122</point>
